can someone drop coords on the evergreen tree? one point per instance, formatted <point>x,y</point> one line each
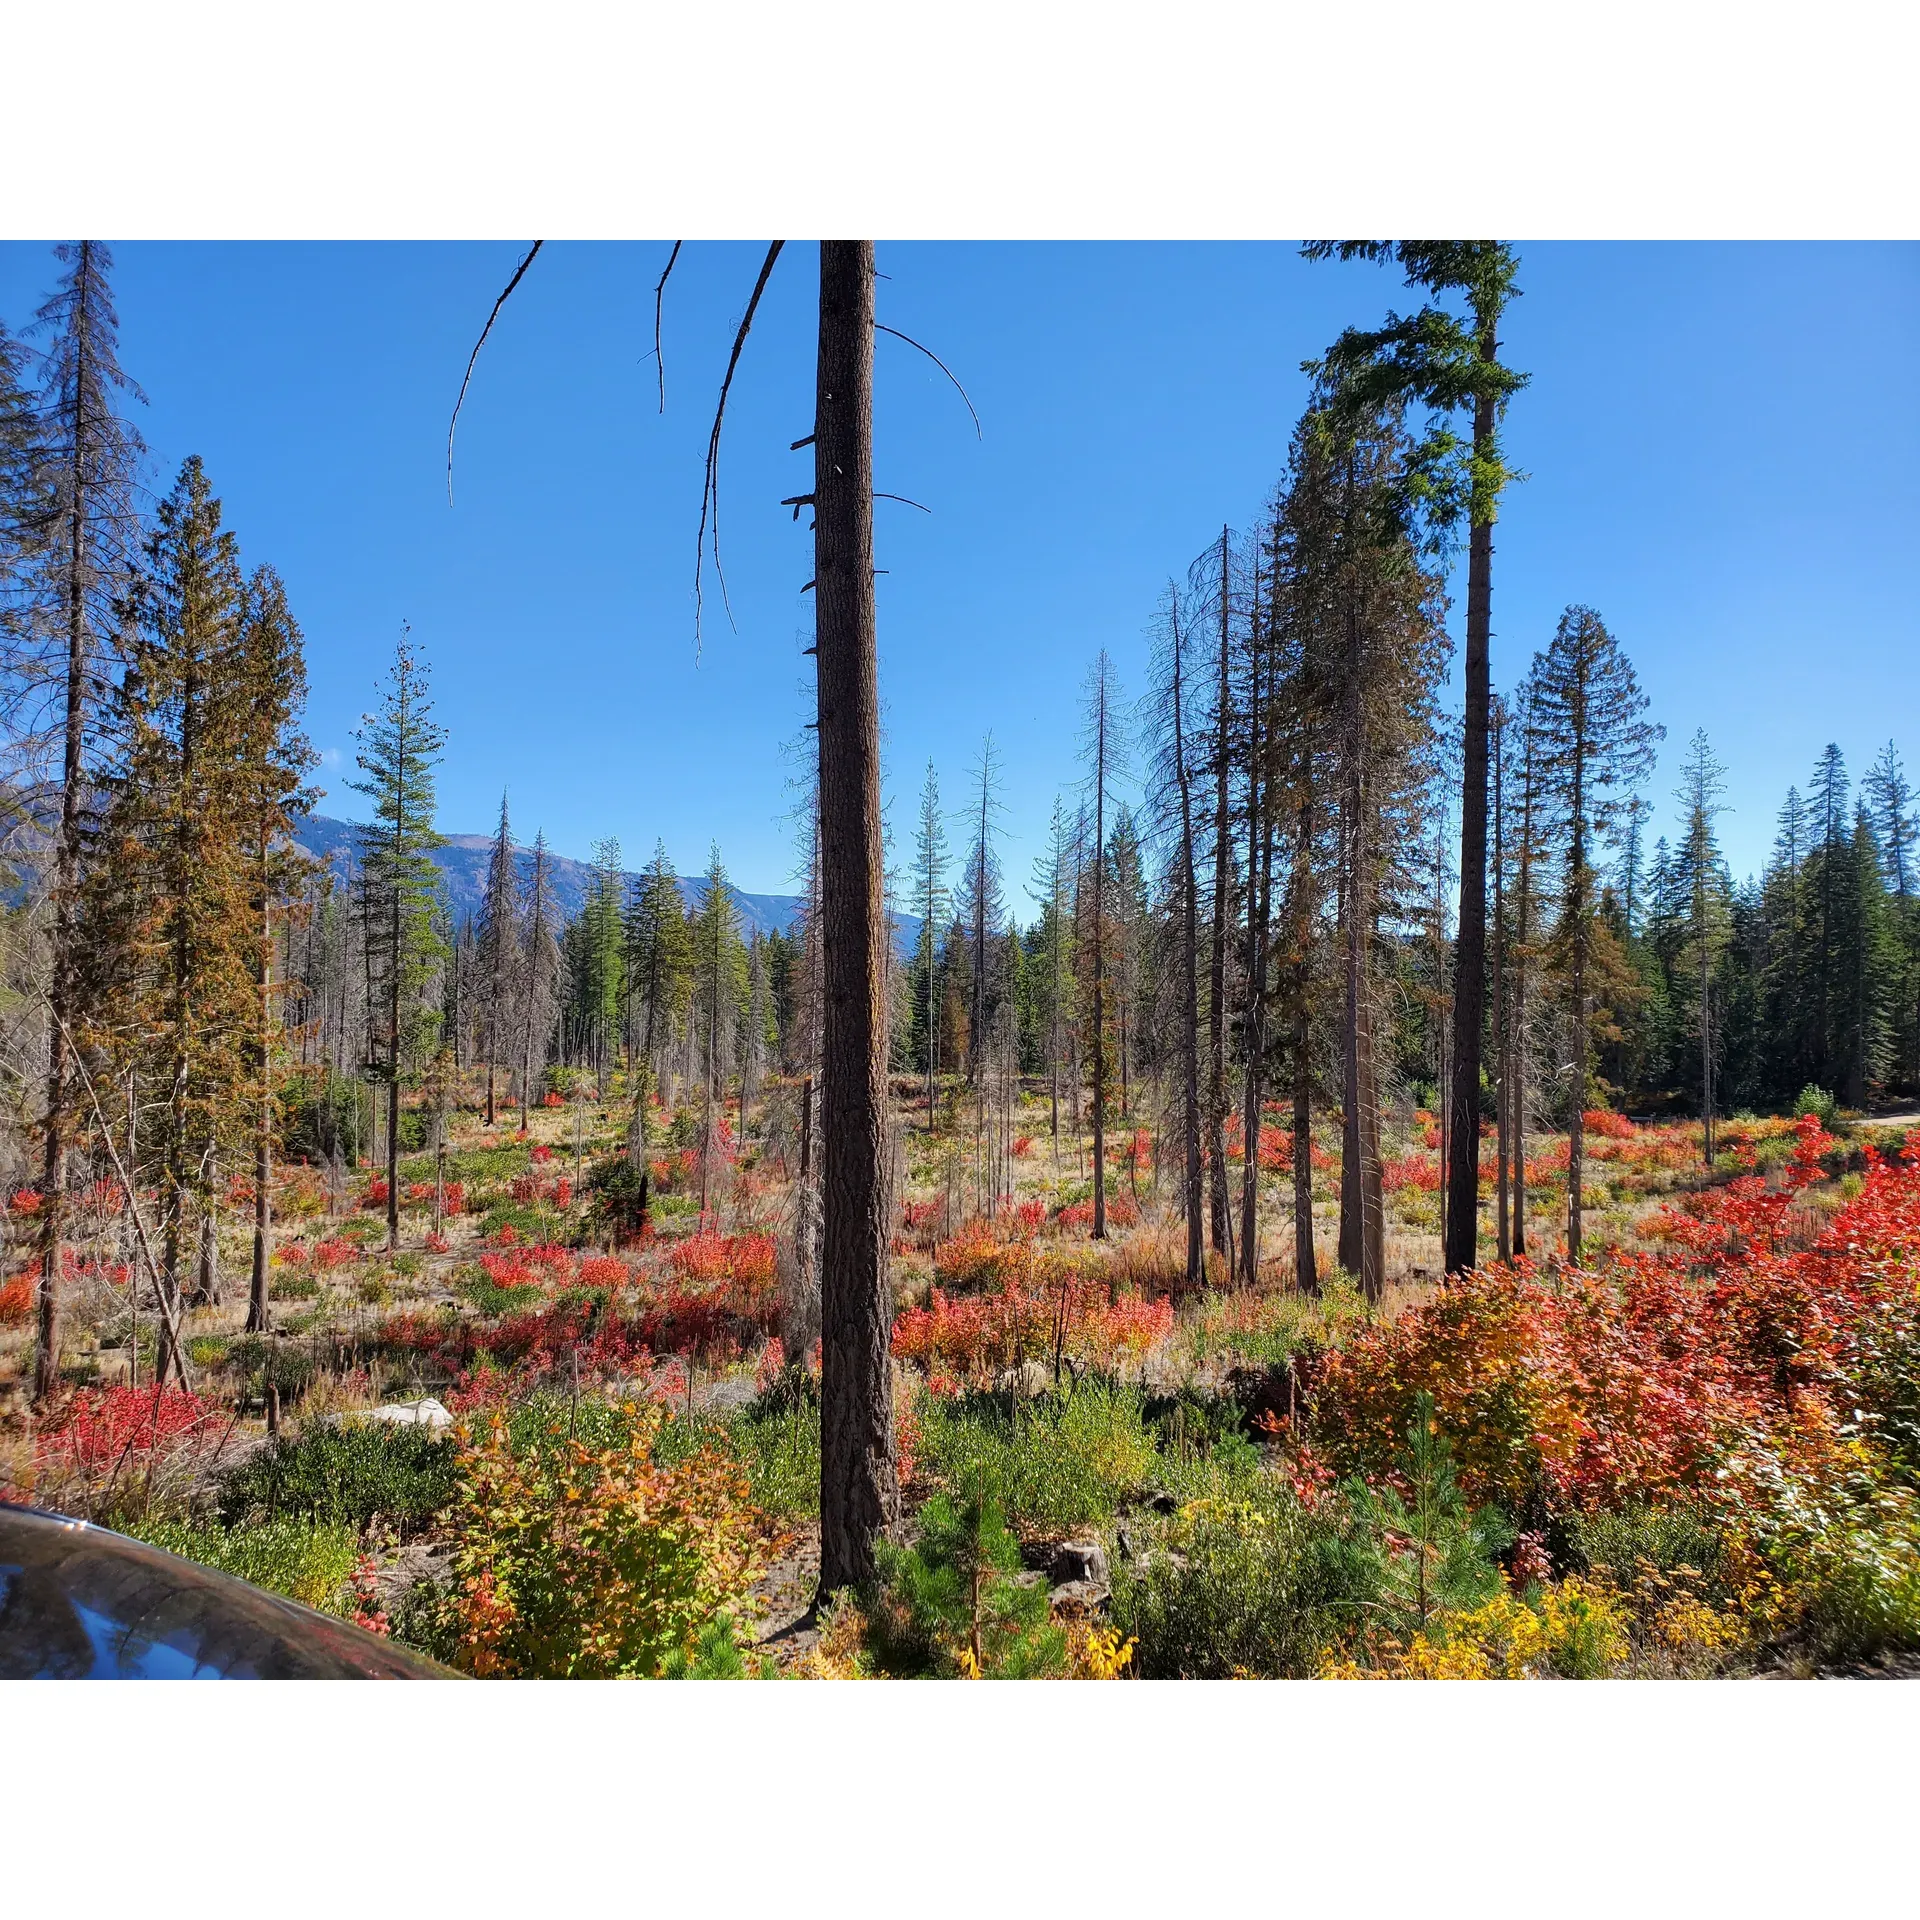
<point>1593,748</point>
<point>497,949</point>
<point>1448,364</point>
<point>659,968</point>
<point>1701,876</point>
<point>1864,963</point>
<point>83,534</point>
<point>399,748</point>
<point>930,900</point>
<point>275,757</point>
<point>980,898</point>
<point>1103,749</point>
<point>170,914</point>
<point>718,960</point>
<point>539,966</point>
<point>1896,832</point>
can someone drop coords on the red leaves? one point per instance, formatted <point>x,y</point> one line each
<point>1025,1320</point>
<point>1636,1378</point>
<point>100,1426</point>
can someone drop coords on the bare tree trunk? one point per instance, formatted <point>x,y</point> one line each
<point>1099,969</point>
<point>1259,906</point>
<point>859,1484</point>
<point>1217,977</point>
<point>1306,1267</point>
<point>257,1309</point>
<point>1706,1044</point>
<point>1190,990</point>
<point>1470,949</point>
<point>1501,1051</point>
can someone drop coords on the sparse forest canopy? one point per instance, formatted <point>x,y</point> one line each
<point>1380,1197</point>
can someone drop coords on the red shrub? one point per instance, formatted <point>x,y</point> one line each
<point>100,1426</point>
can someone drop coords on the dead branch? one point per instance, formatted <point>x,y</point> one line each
<point>659,296</point>
<point>518,272</point>
<point>878,327</point>
<point>710,493</point>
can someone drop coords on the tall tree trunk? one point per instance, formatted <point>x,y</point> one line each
<point>1099,972</point>
<point>66,877</point>
<point>859,1483</point>
<point>1706,1046</point>
<point>1470,950</point>
<point>1222,907</point>
<point>1501,1054</point>
<point>1259,907</point>
<point>1190,990</point>
<point>1362,1237</point>
<point>393,1074</point>
<point>1306,1269</point>
<point>258,1315</point>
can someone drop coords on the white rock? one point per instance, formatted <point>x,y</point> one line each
<point>404,1413</point>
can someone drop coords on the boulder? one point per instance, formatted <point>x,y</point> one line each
<point>1026,1382</point>
<point>403,1413</point>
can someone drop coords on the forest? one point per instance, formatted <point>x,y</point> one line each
<point>1381,1199</point>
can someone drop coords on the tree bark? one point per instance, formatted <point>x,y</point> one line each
<point>1470,951</point>
<point>1190,990</point>
<point>1217,976</point>
<point>859,1484</point>
<point>1099,969</point>
<point>66,876</point>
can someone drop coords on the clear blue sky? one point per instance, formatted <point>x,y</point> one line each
<point>1720,442</point>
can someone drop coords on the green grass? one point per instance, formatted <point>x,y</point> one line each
<point>308,1563</point>
<point>1064,1461</point>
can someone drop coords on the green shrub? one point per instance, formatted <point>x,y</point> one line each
<point>292,1286</point>
<point>1253,1586</point>
<point>493,1299</point>
<point>311,1564</point>
<point>345,1475</point>
<point>260,1360</point>
<point>1067,1460</point>
<point>1819,1102</point>
<point>1670,1540</point>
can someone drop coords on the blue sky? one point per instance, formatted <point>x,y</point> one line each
<point>1720,442</point>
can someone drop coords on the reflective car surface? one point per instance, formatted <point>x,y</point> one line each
<point>80,1603</point>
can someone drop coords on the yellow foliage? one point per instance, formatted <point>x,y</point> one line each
<point>1577,1630</point>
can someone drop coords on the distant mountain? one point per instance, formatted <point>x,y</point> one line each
<point>464,862</point>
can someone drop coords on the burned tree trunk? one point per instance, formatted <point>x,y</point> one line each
<point>859,1486</point>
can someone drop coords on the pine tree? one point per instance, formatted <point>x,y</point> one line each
<point>170,912</point>
<point>1170,729</point>
<point>399,749</point>
<point>981,897</point>
<point>1864,963</point>
<point>930,899</point>
<point>718,958</point>
<point>1449,364</point>
<point>1701,872</point>
<point>84,536</point>
<point>497,948</point>
<point>659,965</point>
<point>1104,753</point>
<point>275,756</point>
<point>539,966</point>
<point>1896,832</point>
<point>1594,747</point>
